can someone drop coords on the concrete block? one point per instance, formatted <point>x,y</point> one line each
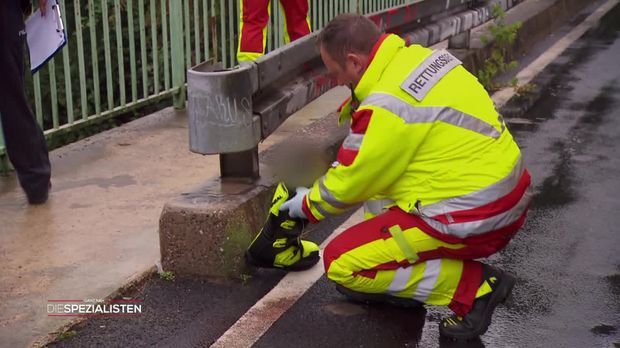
<point>460,40</point>
<point>448,27</point>
<point>467,20</point>
<point>434,32</point>
<point>205,231</point>
<point>419,37</point>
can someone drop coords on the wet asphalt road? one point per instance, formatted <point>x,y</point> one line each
<point>567,258</point>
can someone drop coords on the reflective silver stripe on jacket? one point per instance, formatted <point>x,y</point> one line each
<point>426,75</point>
<point>327,196</point>
<point>430,114</point>
<point>321,210</point>
<point>478,198</point>
<point>466,229</point>
<point>353,141</point>
<point>377,206</point>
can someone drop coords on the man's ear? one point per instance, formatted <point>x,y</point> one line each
<point>359,62</point>
<point>356,62</point>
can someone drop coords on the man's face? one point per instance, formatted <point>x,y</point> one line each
<point>348,74</point>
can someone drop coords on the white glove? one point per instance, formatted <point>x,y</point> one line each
<point>294,204</point>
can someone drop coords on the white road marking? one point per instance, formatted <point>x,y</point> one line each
<point>258,319</point>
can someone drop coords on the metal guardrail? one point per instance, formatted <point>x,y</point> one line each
<point>232,110</point>
<point>125,54</point>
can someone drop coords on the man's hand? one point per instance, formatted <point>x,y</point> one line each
<point>43,7</point>
<point>294,204</point>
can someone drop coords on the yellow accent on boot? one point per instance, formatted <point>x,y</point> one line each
<point>288,224</point>
<point>292,255</point>
<point>279,197</point>
<point>279,243</point>
<point>484,289</point>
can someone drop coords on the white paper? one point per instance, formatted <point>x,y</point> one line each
<point>45,34</point>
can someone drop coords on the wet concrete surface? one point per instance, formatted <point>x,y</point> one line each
<point>566,258</point>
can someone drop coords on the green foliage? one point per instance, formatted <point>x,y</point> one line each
<point>167,275</point>
<point>66,335</point>
<point>502,37</point>
<point>525,89</point>
<point>245,278</point>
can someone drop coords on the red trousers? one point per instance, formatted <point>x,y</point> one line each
<point>253,24</point>
<point>400,254</point>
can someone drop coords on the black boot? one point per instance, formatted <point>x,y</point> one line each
<point>279,243</point>
<point>477,321</point>
<point>367,298</point>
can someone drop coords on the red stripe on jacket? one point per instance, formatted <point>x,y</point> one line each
<point>360,121</point>
<point>306,209</point>
<point>486,211</point>
<point>359,124</point>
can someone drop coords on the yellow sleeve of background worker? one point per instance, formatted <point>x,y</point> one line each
<point>377,151</point>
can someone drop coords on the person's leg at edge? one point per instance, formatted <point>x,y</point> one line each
<point>25,143</point>
<point>254,16</point>
<point>297,21</point>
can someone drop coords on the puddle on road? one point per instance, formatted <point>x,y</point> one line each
<point>603,329</point>
<point>115,181</point>
<point>345,309</point>
<point>557,189</point>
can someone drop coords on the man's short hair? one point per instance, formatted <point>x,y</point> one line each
<point>348,33</point>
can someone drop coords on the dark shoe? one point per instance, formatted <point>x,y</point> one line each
<point>477,321</point>
<point>40,197</point>
<point>279,243</point>
<point>361,297</point>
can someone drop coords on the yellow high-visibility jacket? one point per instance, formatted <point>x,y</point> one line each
<point>425,137</point>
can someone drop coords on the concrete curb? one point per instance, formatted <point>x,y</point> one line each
<point>204,232</point>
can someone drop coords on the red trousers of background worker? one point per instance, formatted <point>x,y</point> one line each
<point>253,25</point>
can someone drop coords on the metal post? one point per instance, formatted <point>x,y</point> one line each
<point>460,40</point>
<point>239,165</point>
<point>178,52</point>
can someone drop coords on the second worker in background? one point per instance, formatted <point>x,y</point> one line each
<point>253,25</point>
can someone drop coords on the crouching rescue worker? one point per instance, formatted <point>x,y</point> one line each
<point>442,179</point>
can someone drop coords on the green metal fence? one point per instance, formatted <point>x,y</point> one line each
<point>125,54</point>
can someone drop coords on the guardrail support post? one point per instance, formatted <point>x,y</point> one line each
<point>460,40</point>
<point>240,165</point>
<point>178,52</point>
